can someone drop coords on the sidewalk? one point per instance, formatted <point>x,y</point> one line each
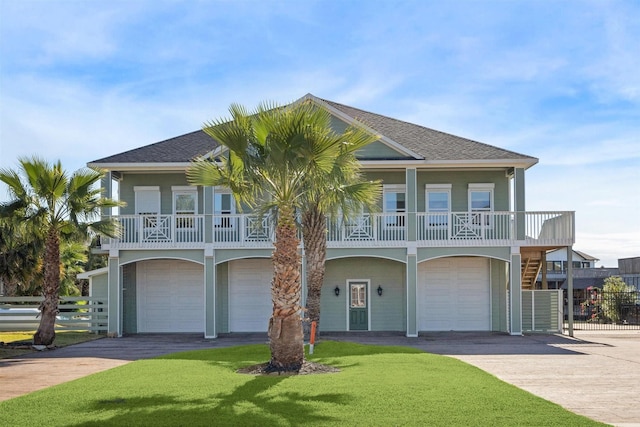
<point>593,374</point>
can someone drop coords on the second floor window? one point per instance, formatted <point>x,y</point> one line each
<point>185,204</point>
<point>481,201</point>
<point>438,201</point>
<point>223,204</point>
<point>394,200</point>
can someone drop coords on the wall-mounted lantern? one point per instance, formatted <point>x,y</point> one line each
<point>337,291</point>
<point>379,291</point>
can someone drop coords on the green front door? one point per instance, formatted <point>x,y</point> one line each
<point>358,319</point>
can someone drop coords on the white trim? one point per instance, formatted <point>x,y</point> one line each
<point>178,190</point>
<point>437,186</point>
<point>89,274</point>
<point>184,188</point>
<point>146,188</point>
<point>481,186</point>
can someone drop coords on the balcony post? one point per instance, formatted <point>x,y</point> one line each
<point>207,199</point>
<point>411,202</point>
<point>519,207</point>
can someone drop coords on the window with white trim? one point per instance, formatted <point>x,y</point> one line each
<point>394,202</point>
<point>223,204</point>
<point>481,201</point>
<point>185,205</point>
<point>438,204</point>
<point>147,204</point>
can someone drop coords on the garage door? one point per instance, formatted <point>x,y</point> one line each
<point>250,295</point>
<point>454,295</point>
<point>170,296</point>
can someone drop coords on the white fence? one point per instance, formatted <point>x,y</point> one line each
<point>76,314</point>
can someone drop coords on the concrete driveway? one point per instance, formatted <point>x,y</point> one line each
<point>595,374</point>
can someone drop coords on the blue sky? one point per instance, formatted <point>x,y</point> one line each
<point>558,80</point>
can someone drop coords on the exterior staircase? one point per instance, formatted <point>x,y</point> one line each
<point>531,265</point>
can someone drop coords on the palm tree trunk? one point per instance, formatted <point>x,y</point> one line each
<point>45,335</point>
<point>285,326</point>
<point>314,229</point>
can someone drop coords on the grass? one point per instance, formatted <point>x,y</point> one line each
<point>63,339</point>
<point>377,386</point>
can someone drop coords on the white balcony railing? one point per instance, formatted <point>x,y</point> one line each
<point>371,230</point>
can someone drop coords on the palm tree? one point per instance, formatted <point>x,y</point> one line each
<point>274,153</point>
<point>20,255</point>
<point>341,193</point>
<point>45,195</point>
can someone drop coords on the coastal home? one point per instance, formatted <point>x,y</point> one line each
<point>451,247</point>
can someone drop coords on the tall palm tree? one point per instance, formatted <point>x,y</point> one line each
<point>343,192</point>
<point>44,194</point>
<point>273,155</point>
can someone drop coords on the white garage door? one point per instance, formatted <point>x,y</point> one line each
<point>454,295</point>
<point>250,295</point>
<point>170,296</point>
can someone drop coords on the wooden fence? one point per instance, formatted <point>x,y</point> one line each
<point>76,314</point>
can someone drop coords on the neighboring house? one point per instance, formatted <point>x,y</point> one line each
<point>447,251</point>
<point>630,271</point>
<point>555,273</point>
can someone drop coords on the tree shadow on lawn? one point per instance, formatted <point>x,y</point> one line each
<point>246,405</point>
<point>260,352</point>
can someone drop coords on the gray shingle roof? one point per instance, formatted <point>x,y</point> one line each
<point>427,143</point>
<point>180,149</point>
<point>430,144</point>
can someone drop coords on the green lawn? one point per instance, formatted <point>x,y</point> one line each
<point>63,338</point>
<point>377,386</point>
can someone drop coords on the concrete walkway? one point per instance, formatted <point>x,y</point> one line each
<point>595,374</point>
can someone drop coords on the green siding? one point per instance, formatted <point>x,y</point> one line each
<point>388,312</point>
<point>163,180</point>
<point>460,181</point>
<point>540,311</point>
<point>489,252</point>
<point>222,297</point>
<point>375,150</point>
<point>499,271</point>
<point>379,150</point>
<point>129,256</point>
<point>130,312</point>
<point>100,285</point>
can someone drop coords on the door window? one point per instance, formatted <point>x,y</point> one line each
<point>358,295</point>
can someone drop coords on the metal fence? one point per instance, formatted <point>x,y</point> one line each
<point>76,314</point>
<point>595,309</point>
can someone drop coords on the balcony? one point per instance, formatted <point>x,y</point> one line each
<point>369,230</point>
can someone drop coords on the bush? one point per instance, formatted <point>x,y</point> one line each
<point>616,296</point>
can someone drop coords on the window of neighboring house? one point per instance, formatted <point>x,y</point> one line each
<point>223,204</point>
<point>394,200</point>
<point>147,203</point>
<point>481,201</point>
<point>438,204</point>
<point>554,265</point>
<point>185,205</point>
